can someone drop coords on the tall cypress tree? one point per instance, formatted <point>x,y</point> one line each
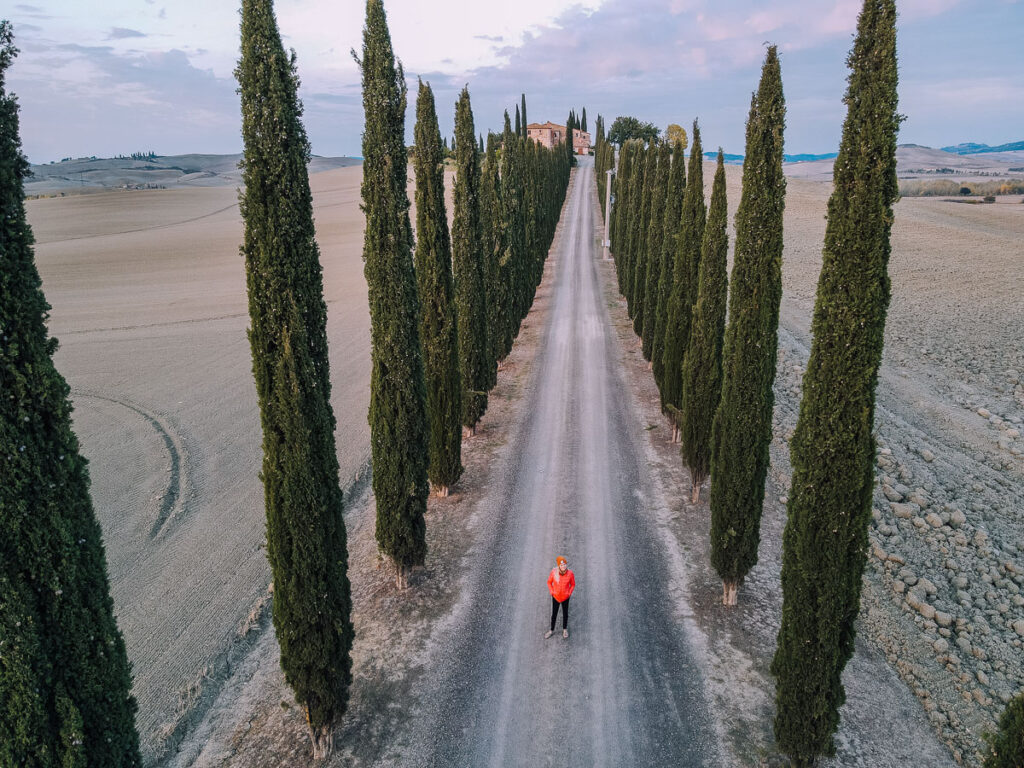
<point>638,170</point>
<point>438,323</point>
<point>620,212</point>
<point>583,121</point>
<point>684,283</point>
<point>398,418</point>
<point>525,134</point>
<point>702,365</point>
<point>742,430</point>
<point>833,450</point>
<point>643,238</point>
<point>519,125</point>
<point>673,212</point>
<point>470,266</point>
<point>288,336</point>
<point>513,239</point>
<point>65,681</point>
<point>655,233</point>
<point>493,242</point>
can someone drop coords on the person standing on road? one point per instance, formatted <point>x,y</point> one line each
<point>561,583</point>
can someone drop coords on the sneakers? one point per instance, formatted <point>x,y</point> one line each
<point>549,633</point>
<point>565,633</point>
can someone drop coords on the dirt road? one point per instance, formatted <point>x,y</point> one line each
<point>624,688</point>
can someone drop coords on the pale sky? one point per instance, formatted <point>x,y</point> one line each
<point>116,76</point>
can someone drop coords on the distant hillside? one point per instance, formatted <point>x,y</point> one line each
<point>805,158</point>
<point>970,148</point>
<point>85,174</point>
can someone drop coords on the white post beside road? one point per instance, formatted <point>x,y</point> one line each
<point>607,212</point>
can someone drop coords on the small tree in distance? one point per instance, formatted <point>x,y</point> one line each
<point>625,128</point>
<point>676,134</point>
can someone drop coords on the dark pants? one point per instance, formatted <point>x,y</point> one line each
<point>555,605</point>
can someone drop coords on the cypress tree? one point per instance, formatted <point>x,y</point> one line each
<point>483,148</point>
<point>513,239</point>
<point>519,126</point>
<point>569,127</point>
<point>702,364</point>
<point>673,211</point>
<point>493,239</point>
<point>583,121</point>
<point>655,233</point>
<point>306,541</point>
<point>833,449</point>
<point>1006,748</point>
<point>684,283</point>
<point>438,323</point>
<point>742,430</point>
<point>398,419</point>
<point>638,171</point>
<point>65,681</point>
<point>643,238</point>
<point>620,212</point>
<point>470,266</point>
<point>525,134</point>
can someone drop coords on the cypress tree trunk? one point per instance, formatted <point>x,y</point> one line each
<point>684,284</point>
<point>65,681</point>
<point>306,543</point>
<point>491,224</point>
<point>833,450</point>
<point>398,420</point>
<point>742,430</point>
<point>469,264</point>
<point>655,233</point>
<point>438,323</point>
<point>643,238</point>
<point>702,365</point>
<point>673,212</point>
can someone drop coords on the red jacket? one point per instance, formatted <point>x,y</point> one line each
<point>561,585</point>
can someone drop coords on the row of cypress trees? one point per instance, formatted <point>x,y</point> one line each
<point>440,326</point>
<point>825,540</point>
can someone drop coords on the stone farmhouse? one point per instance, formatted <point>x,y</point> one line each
<point>549,134</point>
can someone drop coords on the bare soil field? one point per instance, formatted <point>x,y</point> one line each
<point>148,296</point>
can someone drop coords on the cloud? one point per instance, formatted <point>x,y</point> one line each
<point>116,101</point>
<point>490,38</point>
<point>121,33</point>
<point>32,12</point>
